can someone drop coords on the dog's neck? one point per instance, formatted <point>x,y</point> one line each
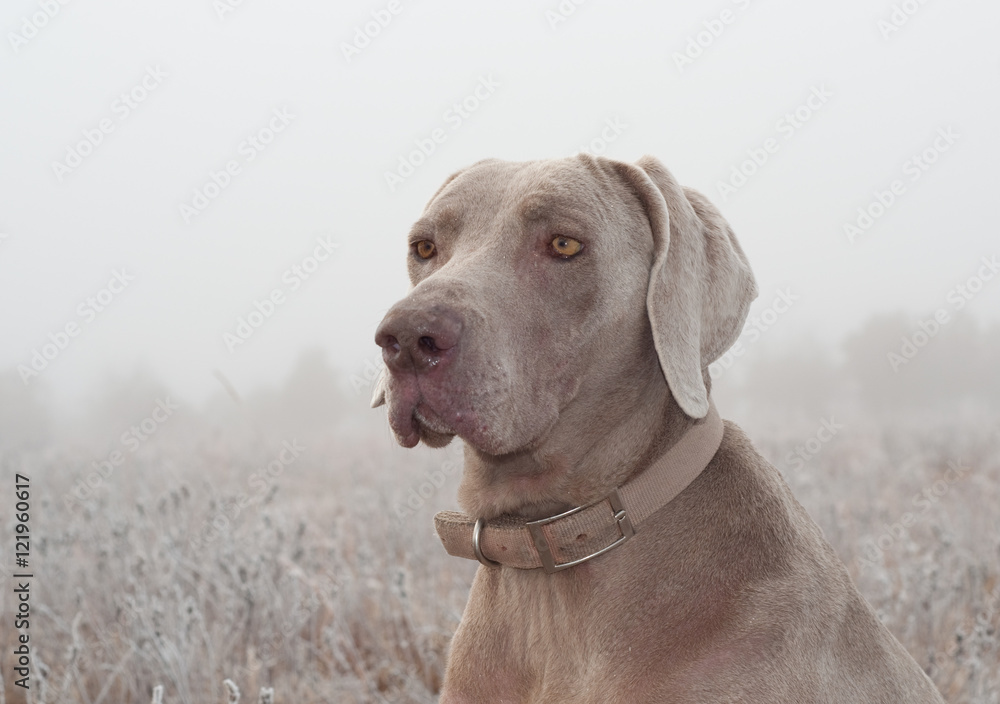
<point>570,468</point>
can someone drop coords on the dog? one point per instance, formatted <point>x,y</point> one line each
<point>634,547</point>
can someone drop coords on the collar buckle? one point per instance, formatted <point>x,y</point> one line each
<point>622,520</point>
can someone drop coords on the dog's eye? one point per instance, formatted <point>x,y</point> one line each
<point>425,249</point>
<point>566,246</point>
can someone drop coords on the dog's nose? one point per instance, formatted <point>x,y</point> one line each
<point>418,338</point>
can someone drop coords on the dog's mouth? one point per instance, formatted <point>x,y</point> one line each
<point>476,406</point>
<point>431,428</point>
<point>422,411</point>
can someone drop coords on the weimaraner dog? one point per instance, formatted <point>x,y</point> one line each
<point>635,548</point>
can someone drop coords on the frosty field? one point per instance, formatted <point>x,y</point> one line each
<point>284,541</point>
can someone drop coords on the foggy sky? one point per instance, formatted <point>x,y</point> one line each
<point>547,88</point>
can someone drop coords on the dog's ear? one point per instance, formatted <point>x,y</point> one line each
<point>700,285</point>
<point>378,396</point>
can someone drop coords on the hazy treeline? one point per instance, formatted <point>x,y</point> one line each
<point>892,364</point>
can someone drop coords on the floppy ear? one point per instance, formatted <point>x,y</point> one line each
<point>378,396</point>
<point>700,285</point>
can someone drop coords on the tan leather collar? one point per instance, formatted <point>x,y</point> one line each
<point>583,533</point>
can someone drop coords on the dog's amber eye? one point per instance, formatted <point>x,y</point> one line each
<point>425,249</point>
<point>566,246</point>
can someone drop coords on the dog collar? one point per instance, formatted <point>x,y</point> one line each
<point>580,534</point>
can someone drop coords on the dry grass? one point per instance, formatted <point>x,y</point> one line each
<point>315,588</point>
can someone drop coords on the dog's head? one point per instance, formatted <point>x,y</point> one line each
<point>545,292</point>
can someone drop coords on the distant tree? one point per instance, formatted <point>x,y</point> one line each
<point>310,402</point>
<point>801,376</point>
<point>25,418</point>
<point>900,363</point>
<point>867,361</point>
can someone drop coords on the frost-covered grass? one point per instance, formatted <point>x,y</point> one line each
<point>190,565</point>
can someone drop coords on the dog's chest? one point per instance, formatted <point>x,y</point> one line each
<point>533,637</point>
